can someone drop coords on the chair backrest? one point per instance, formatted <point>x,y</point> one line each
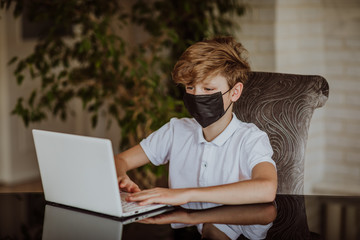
<point>282,105</point>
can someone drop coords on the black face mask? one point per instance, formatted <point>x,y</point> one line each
<point>207,108</point>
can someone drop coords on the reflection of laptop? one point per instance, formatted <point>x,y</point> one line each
<point>62,223</point>
<point>79,171</point>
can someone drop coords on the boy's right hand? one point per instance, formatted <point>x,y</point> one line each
<point>127,185</point>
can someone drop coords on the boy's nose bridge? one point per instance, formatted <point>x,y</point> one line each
<point>198,90</point>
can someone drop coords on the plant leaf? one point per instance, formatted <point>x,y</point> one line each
<point>14,59</point>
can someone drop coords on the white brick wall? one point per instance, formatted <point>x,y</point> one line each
<point>257,33</point>
<point>342,63</point>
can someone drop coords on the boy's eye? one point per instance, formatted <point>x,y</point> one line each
<point>189,88</point>
<point>208,89</point>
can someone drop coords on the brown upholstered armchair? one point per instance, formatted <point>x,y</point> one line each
<point>282,105</point>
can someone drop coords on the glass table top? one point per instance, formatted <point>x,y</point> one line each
<point>29,216</point>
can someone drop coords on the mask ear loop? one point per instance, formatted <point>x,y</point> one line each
<point>226,91</point>
<point>228,107</point>
<point>229,104</point>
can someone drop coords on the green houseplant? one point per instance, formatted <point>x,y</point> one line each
<point>82,55</point>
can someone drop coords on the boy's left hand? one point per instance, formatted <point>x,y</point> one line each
<point>160,195</point>
<point>177,216</point>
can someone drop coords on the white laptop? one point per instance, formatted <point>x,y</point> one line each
<point>79,171</point>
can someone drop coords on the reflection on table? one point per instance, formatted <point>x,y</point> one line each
<point>27,216</point>
<point>221,222</point>
<point>61,223</point>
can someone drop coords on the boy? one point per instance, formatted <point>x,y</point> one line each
<point>213,157</point>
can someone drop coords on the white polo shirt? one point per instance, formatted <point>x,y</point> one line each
<point>195,162</point>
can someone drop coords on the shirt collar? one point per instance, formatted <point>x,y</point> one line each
<point>224,136</point>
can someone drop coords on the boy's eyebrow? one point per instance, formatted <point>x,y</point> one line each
<point>207,83</point>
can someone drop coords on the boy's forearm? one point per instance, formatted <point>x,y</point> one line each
<point>261,188</point>
<point>244,192</point>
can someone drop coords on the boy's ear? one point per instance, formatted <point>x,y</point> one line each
<point>236,91</point>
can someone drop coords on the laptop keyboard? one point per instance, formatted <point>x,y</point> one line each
<point>130,206</point>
